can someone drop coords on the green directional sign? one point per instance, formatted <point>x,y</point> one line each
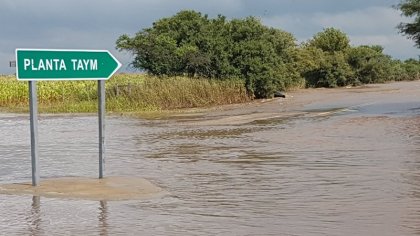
<point>56,64</point>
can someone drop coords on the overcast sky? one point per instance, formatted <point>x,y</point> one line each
<point>96,24</point>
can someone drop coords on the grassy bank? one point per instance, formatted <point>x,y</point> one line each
<point>125,93</point>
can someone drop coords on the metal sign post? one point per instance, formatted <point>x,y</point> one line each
<point>101,117</point>
<point>61,64</point>
<point>33,110</point>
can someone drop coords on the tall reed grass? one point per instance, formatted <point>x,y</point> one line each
<point>125,93</point>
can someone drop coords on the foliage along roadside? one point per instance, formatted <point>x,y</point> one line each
<point>125,93</point>
<point>265,59</point>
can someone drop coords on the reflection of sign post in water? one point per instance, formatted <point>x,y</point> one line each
<point>55,64</point>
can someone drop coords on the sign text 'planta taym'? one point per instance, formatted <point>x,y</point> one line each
<point>55,64</point>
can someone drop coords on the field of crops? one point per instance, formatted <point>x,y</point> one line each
<point>125,93</point>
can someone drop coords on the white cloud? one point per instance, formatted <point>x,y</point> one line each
<point>373,19</point>
<point>372,39</point>
<point>372,26</point>
<point>364,21</point>
<point>368,26</point>
<point>396,45</point>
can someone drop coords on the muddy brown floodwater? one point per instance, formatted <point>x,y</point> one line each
<point>320,162</point>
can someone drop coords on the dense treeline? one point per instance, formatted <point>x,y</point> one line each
<point>266,59</point>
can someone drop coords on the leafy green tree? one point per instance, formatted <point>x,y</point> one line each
<point>218,47</point>
<point>330,40</point>
<point>170,46</point>
<point>411,9</point>
<point>370,64</point>
<point>259,53</point>
<point>323,60</point>
<point>330,70</point>
<point>189,43</point>
<point>411,69</point>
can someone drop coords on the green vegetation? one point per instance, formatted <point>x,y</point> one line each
<point>266,59</point>
<point>190,44</point>
<point>125,93</point>
<point>411,9</point>
<point>195,61</point>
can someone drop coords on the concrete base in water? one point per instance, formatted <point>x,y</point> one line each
<point>109,188</point>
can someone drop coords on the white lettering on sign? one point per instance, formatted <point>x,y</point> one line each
<point>44,64</point>
<point>59,64</point>
<point>26,63</point>
<point>84,64</point>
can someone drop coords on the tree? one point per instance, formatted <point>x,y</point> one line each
<point>323,60</point>
<point>330,40</point>
<point>259,53</point>
<point>189,43</point>
<point>170,47</point>
<point>329,70</point>
<point>411,68</point>
<point>411,9</point>
<point>370,64</point>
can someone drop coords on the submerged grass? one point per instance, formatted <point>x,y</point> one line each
<point>124,93</point>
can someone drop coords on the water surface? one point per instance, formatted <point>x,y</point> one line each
<point>343,162</point>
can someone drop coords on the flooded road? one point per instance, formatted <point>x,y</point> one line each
<point>320,162</point>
